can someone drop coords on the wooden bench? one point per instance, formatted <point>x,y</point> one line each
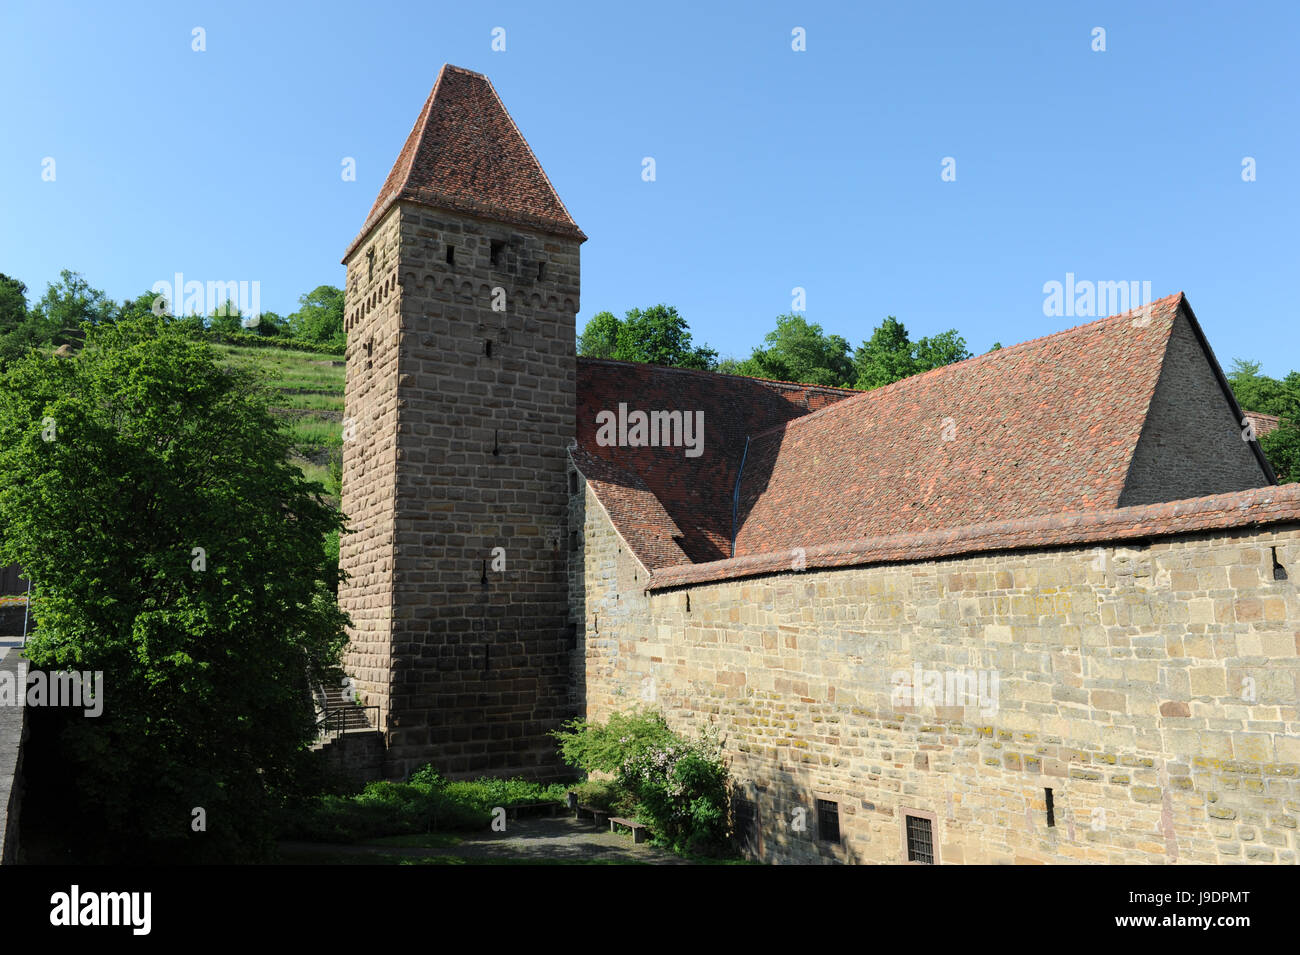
<point>639,832</point>
<point>530,809</point>
<point>598,815</point>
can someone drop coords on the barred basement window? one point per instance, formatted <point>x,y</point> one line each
<point>920,840</point>
<point>828,820</point>
<point>496,246</point>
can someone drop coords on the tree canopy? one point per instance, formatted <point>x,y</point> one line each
<point>1272,396</point>
<point>320,316</point>
<point>657,335</point>
<point>890,355</point>
<point>146,491</point>
<point>797,350</point>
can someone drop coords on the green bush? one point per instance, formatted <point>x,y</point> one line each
<point>678,787</point>
<point>605,794</point>
<point>252,340</point>
<point>427,803</point>
<point>605,747</point>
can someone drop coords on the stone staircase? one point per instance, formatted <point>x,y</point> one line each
<point>337,714</point>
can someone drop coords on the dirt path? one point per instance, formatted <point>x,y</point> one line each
<point>537,840</point>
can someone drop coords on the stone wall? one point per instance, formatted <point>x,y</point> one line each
<point>1151,688</point>
<point>353,758</point>
<point>1191,443</point>
<point>485,406</point>
<point>371,315</point>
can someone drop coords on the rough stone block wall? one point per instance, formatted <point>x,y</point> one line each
<point>372,307</point>
<point>353,758</point>
<point>485,414</point>
<point>1152,689</point>
<point>1191,444</point>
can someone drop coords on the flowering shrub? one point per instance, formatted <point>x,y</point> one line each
<point>679,785</point>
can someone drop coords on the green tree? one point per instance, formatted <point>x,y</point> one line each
<point>659,336</point>
<point>599,339</point>
<point>890,355</point>
<point>147,492</point>
<point>18,331</point>
<point>271,325</point>
<point>799,351</point>
<point>1282,448</point>
<point>227,319</point>
<point>13,304</point>
<point>1257,392</point>
<point>320,316</point>
<point>69,303</point>
<point>1272,396</point>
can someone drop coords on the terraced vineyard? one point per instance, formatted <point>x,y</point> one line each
<point>311,386</point>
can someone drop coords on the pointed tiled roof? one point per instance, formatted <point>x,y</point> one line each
<point>466,155</point>
<point>1036,436</point>
<point>1043,427</point>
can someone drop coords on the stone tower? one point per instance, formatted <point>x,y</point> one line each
<point>462,293</point>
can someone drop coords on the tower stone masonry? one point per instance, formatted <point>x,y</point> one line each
<point>462,293</point>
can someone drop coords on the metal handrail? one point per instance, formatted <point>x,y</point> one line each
<point>339,714</point>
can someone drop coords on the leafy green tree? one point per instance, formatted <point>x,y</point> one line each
<point>890,355</point>
<point>659,336</point>
<point>227,319</point>
<point>320,316</point>
<point>600,337</point>
<point>271,325</point>
<point>13,303</point>
<point>1272,396</point>
<point>799,351</point>
<point>1257,392</point>
<point>1282,448</point>
<point>69,303</point>
<point>18,331</point>
<point>147,492</point>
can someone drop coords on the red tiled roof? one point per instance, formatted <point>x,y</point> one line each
<point>1042,435</point>
<point>670,507</point>
<point>1044,427</point>
<point>1240,509</point>
<point>466,155</point>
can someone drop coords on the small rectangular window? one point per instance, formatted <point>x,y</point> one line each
<point>573,482</point>
<point>920,840</point>
<point>1051,809</point>
<point>828,820</point>
<point>451,255</point>
<point>496,247</point>
<point>541,271</point>
<point>573,540</point>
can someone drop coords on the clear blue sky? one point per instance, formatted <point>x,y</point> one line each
<point>775,168</point>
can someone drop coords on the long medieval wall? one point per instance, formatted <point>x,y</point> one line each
<point>1152,689</point>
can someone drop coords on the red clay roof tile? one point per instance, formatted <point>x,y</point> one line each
<point>466,155</point>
